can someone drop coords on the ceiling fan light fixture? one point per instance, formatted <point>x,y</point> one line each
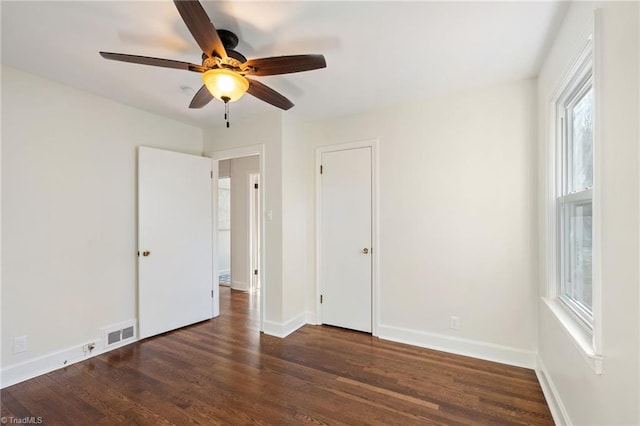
<point>225,85</point>
<point>223,69</point>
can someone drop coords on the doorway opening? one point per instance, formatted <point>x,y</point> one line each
<point>238,234</point>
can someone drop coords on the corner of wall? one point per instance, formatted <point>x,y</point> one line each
<point>551,395</point>
<point>284,329</point>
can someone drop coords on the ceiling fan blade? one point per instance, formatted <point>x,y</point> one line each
<point>201,28</point>
<point>156,62</point>
<point>201,98</point>
<point>268,95</point>
<point>285,64</point>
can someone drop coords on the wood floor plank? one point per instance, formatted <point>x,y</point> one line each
<point>390,393</point>
<point>224,371</point>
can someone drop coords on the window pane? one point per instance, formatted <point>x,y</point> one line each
<point>579,243</point>
<point>582,143</point>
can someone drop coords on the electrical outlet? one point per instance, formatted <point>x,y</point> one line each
<point>19,344</point>
<point>455,323</point>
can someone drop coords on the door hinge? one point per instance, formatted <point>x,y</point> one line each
<point>211,174</point>
<point>255,272</point>
<point>320,168</point>
<point>320,298</point>
<point>138,253</point>
<point>212,294</point>
<point>255,185</point>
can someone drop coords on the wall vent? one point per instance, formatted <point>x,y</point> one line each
<point>127,333</point>
<point>114,337</point>
<point>119,334</point>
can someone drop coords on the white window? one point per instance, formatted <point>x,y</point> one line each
<point>574,193</point>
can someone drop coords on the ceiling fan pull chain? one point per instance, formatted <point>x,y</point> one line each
<point>226,109</point>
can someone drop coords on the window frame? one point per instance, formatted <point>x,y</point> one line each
<point>588,342</point>
<point>580,82</point>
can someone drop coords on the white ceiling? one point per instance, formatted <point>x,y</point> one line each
<point>377,52</point>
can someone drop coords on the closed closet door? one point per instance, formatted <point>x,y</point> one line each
<point>345,238</point>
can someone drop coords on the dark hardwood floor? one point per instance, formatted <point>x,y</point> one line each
<point>224,372</point>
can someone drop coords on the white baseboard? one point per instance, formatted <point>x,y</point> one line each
<point>460,346</point>
<point>284,329</point>
<point>239,285</point>
<point>273,328</point>
<point>558,411</point>
<point>295,323</point>
<point>29,369</point>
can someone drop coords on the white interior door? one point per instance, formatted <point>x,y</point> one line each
<point>345,238</point>
<point>175,240</point>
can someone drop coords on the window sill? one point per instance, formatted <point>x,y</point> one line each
<point>578,335</point>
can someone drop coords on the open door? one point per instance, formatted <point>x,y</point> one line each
<point>175,283</point>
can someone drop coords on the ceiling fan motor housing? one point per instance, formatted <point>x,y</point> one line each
<point>230,42</point>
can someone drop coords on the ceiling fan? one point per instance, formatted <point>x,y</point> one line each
<point>225,72</point>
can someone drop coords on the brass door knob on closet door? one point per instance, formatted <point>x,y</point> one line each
<point>365,250</point>
<point>146,253</point>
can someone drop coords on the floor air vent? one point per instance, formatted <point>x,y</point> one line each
<point>114,337</point>
<point>119,334</point>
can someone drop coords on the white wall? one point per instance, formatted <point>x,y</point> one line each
<point>298,226</point>
<point>240,169</point>
<point>224,168</point>
<point>457,218</point>
<point>69,212</point>
<point>583,397</point>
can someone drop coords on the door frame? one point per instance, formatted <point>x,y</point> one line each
<point>217,156</point>
<point>375,245</point>
<point>253,226</point>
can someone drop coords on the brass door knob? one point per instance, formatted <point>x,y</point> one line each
<point>365,250</point>
<point>146,253</point>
